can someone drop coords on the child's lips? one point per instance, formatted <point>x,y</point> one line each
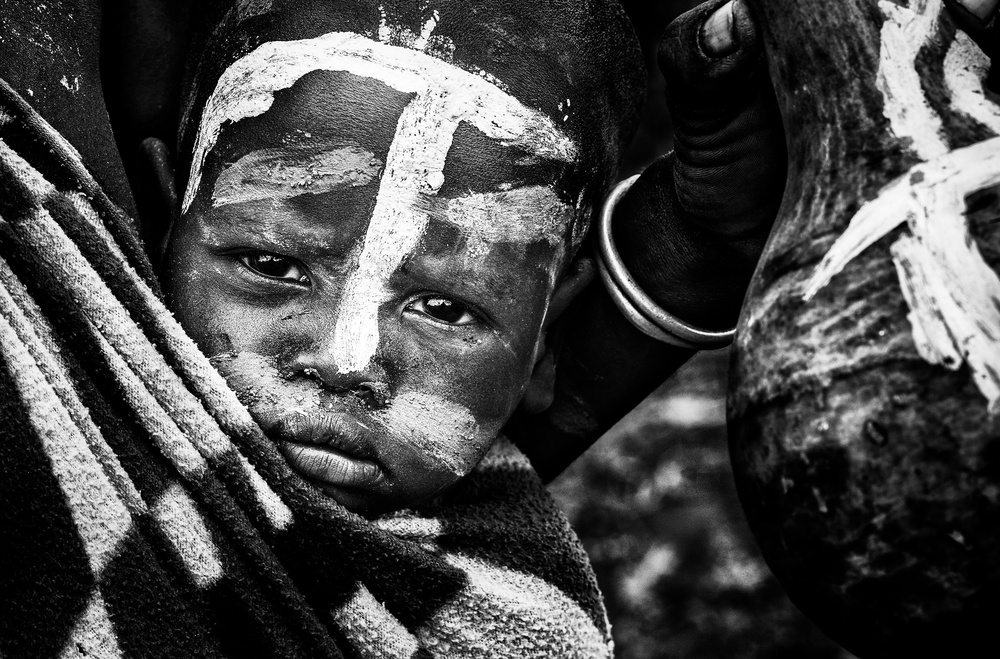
<point>332,448</point>
<point>331,467</point>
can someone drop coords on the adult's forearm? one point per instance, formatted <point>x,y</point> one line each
<point>692,269</point>
<point>690,231</point>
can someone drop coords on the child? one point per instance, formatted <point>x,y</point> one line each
<point>380,222</point>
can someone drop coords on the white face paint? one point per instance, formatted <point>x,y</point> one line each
<point>488,217</point>
<point>281,173</point>
<point>444,96</point>
<point>440,429</point>
<point>421,437</point>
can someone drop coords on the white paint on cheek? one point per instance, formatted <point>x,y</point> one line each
<point>440,429</point>
<point>910,115</point>
<point>280,173</point>
<point>260,386</point>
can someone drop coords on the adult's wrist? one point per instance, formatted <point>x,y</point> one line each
<point>694,272</point>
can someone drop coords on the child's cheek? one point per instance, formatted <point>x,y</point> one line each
<point>474,369</point>
<point>444,433</point>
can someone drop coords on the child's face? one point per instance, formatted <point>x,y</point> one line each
<point>370,261</point>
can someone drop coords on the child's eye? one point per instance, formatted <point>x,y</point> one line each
<point>444,310</point>
<point>274,266</point>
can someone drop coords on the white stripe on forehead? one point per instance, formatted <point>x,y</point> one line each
<point>527,214</point>
<point>444,96</point>
<point>281,173</point>
<point>246,89</point>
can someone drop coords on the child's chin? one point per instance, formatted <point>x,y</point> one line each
<point>365,503</point>
<point>372,504</point>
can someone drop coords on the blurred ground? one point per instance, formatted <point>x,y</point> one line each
<point>656,508</point>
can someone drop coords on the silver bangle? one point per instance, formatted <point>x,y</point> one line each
<point>640,309</point>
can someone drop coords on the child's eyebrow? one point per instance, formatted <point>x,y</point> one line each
<point>525,214</point>
<point>284,172</point>
<point>291,226</point>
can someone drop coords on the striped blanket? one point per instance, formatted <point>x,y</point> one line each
<point>143,513</point>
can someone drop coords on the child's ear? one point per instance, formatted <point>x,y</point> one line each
<point>541,387</point>
<point>160,217</point>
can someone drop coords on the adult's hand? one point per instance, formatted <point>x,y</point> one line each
<point>692,227</point>
<point>690,230</point>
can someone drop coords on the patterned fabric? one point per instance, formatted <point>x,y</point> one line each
<point>144,514</point>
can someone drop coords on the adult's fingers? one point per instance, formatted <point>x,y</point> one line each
<point>729,143</point>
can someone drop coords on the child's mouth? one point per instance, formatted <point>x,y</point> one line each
<point>330,448</point>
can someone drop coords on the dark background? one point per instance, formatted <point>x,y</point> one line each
<point>654,502</point>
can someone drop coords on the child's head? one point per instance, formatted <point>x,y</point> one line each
<point>382,207</point>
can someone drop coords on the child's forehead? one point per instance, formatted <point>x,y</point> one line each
<point>377,90</point>
<point>420,143</point>
<point>334,127</point>
<point>575,61</point>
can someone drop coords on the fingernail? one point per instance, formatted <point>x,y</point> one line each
<point>718,36</point>
<point>981,9</point>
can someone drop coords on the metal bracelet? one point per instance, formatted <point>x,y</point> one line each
<point>640,309</point>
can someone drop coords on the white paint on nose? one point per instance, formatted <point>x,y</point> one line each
<point>395,228</point>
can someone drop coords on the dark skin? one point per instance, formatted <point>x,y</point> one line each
<point>603,365</point>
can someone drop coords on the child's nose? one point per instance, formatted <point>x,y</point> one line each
<point>320,361</point>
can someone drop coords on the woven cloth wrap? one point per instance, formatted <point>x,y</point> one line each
<point>143,513</point>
